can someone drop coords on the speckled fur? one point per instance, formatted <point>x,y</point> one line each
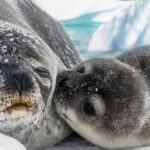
<point>119,91</point>
<point>30,39</point>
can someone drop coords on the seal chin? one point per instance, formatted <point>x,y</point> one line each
<point>17,111</point>
<point>19,107</point>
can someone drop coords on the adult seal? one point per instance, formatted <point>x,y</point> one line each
<point>33,49</point>
<point>107,101</point>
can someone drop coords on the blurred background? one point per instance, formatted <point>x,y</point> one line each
<point>102,28</point>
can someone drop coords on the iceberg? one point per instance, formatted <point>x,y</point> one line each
<point>129,28</point>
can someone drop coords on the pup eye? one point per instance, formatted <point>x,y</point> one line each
<point>43,72</point>
<point>89,109</point>
<point>81,69</point>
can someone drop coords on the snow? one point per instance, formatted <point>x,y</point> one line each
<point>4,49</point>
<point>8,143</point>
<point>129,28</point>
<point>6,60</point>
<point>96,89</point>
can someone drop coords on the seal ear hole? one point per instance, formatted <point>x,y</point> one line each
<point>89,109</point>
<point>81,69</point>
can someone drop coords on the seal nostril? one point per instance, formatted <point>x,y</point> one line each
<point>61,81</point>
<point>64,79</point>
<point>22,81</point>
<point>81,69</point>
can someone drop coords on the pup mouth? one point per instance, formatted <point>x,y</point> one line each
<point>19,107</point>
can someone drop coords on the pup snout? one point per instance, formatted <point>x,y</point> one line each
<point>68,78</point>
<point>63,78</point>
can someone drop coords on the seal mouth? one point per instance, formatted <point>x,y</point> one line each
<point>20,106</point>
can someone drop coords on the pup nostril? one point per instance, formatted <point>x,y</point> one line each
<point>81,69</point>
<point>61,81</point>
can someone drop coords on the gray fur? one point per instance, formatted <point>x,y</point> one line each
<point>118,90</point>
<point>29,40</point>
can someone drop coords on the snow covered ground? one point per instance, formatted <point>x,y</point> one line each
<point>8,143</point>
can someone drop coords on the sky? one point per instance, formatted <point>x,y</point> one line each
<point>67,9</point>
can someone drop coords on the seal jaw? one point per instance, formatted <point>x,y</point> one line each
<point>17,111</point>
<point>20,106</point>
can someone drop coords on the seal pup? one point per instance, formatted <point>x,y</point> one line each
<point>33,49</point>
<point>107,101</point>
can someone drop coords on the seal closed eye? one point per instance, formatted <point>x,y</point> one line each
<point>43,72</point>
<point>107,102</point>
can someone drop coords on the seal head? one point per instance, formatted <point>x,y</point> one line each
<point>105,101</point>
<point>33,49</point>
<point>27,83</point>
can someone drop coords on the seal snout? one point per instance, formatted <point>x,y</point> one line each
<point>20,81</point>
<point>20,106</point>
<point>63,78</point>
<point>19,89</point>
